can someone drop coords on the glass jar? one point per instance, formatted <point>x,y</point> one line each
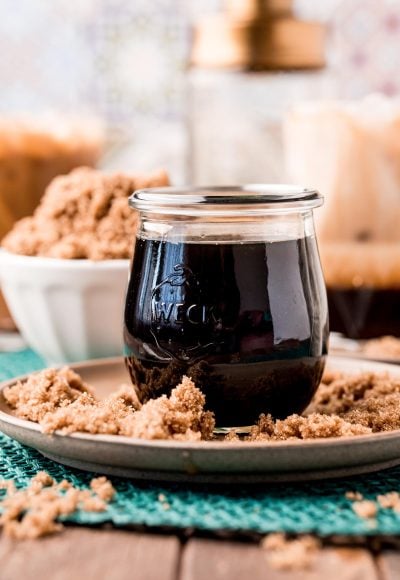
<point>234,121</point>
<point>226,287</point>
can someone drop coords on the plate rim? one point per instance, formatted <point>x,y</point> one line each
<point>198,446</point>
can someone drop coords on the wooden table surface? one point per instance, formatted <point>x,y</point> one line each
<point>92,553</point>
<point>113,554</point>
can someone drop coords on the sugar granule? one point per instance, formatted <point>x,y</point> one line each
<point>291,554</point>
<point>390,500</point>
<point>354,495</point>
<point>103,488</point>
<point>365,508</point>
<point>42,478</point>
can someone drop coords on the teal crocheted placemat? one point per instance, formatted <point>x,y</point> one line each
<point>313,507</point>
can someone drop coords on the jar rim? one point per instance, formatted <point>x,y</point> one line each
<point>223,198</point>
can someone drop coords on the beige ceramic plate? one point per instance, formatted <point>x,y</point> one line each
<point>348,348</point>
<point>211,462</point>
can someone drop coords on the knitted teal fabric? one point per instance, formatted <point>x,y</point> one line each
<point>313,507</point>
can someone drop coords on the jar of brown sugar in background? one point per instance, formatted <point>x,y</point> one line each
<point>33,150</point>
<point>226,287</point>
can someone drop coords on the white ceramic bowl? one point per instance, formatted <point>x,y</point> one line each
<point>67,310</point>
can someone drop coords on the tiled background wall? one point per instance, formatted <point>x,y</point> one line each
<point>126,61</point>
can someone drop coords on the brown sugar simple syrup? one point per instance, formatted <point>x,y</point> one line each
<point>247,321</point>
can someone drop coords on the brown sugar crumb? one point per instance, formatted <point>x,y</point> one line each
<point>163,501</point>
<point>39,481</point>
<point>42,478</point>
<point>314,426</point>
<point>354,495</point>
<point>384,347</point>
<point>84,214</point>
<point>63,485</point>
<point>103,488</point>
<point>390,500</point>
<point>93,504</point>
<point>232,437</point>
<point>365,508</point>
<point>291,554</point>
<point>32,512</point>
<point>59,400</point>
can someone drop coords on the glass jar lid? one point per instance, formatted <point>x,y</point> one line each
<point>250,199</point>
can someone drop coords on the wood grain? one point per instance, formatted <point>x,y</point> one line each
<point>211,560</point>
<point>91,554</point>
<point>389,565</point>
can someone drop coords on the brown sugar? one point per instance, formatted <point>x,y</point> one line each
<point>354,495</point>
<point>84,214</point>
<point>33,512</point>
<point>368,509</point>
<point>349,393</point>
<point>343,406</point>
<point>390,500</point>
<point>291,554</point>
<point>103,488</point>
<point>44,392</point>
<point>330,375</point>
<point>365,508</point>
<point>376,414</point>
<point>110,416</point>
<point>42,479</point>
<point>384,347</point>
<point>314,426</point>
<point>59,400</point>
<point>181,416</point>
<point>232,437</point>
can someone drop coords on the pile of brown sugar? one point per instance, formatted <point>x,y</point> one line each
<point>33,512</point>
<point>344,405</point>
<point>84,214</point>
<point>384,347</point>
<point>60,400</point>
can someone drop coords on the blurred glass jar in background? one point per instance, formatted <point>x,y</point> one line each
<point>34,150</point>
<point>249,64</point>
<point>236,122</point>
<point>350,151</point>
